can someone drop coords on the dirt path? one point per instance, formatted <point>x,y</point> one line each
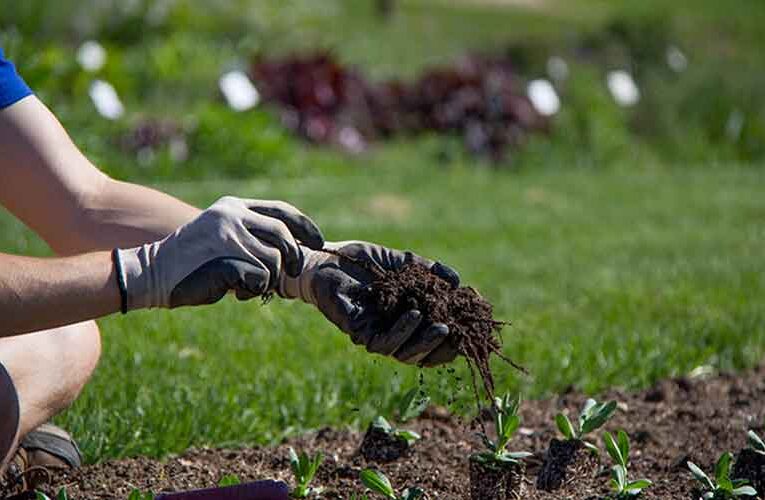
<point>675,421</point>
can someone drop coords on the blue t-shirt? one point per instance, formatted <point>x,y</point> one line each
<point>12,87</point>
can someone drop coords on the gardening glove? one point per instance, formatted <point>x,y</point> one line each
<point>236,244</point>
<point>328,282</point>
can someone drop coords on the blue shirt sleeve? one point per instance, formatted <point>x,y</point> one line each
<point>12,87</point>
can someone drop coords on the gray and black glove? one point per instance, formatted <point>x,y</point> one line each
<point>328,282</point>
<point>236,244</point>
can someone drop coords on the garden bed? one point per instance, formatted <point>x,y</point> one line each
<point>671,423</point>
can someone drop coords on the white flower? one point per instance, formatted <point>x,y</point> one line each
<point>91,56</point>
<point>239,91</point>
<point>543,97</point>
<point>106,100</point>
<point>623,88</point>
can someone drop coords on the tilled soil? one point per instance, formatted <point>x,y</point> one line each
<point>675,421</point>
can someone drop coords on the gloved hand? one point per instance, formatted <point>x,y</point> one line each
<point>327,281</point>
<point>236,244</point>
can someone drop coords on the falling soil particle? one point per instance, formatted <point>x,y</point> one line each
<point>566,461</point>
<point>693,420</point>
<point>379,446</point>
<point>496,483</point>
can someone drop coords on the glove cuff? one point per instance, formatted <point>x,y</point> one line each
<point>300,287</point>
<point>142,284</point>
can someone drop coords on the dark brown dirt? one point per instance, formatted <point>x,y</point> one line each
<point>473,331</point>
<point>492,483</point>
<point>380,447</point>
<point>566,461</point>
<point>675,421</point>
<point>750,465</point>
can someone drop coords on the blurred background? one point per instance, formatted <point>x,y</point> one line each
<point>595,168</point>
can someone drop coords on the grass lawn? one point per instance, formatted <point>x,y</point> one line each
<point>610,277</point>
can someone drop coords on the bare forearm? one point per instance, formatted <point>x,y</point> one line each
<point>37,294</point>
<point>127,215</point>
<point>49,184</point>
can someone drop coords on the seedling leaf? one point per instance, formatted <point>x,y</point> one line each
<point>564,426</point>
<point>412,406</point>
<point>229,480</point>
<point>382,424</point>
<point>377,482</point>
<point>755,442</point>
<point>722,470</point>
<point>41,496</point>
<point>410,436</point>
<point>613,449</point>
<point>744,490</point>
<point>624,445</point>
<point>593,448</point>
<point>62,495</point>
<point>618,477</point>
<point>599,414</point>
<point>294,462</point>
<point>700,476</point>
<point>638,485</point>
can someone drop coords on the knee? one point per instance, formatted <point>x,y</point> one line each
<point>81,347</point>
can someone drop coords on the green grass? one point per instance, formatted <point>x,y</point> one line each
<point>611,278</point>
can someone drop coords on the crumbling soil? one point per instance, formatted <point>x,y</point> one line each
<point>381,447</point>
<point>473,331</point>
<point>675,421</point>
<point>566,461</point>
<point>497,483</point>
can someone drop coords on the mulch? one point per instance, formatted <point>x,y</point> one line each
<point>669,424</point>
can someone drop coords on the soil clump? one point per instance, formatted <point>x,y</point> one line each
<point>380,447</point>
<point>496,483</point>
<point>564,461</point>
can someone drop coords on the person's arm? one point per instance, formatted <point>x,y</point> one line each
<point>49,184</point>
<point>236,245</point>
<point>37,294</point>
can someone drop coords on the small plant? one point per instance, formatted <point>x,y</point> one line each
<point>592,417</point>
<point>304,469</point>
<point>755,442</point>
<point>619,451</point>
<point>506,423</point>
<point>411,405</point>
<point>379,483</point>
<point>229,480</point>
<point>723,486</point>
<point>137,495</point>
<point>380,423</point>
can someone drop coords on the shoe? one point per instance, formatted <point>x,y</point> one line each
<point>43,451</point>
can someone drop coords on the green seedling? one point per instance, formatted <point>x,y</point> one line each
<point>304,469</point>
<point>723,486</point>
<point>506,423</point>
<point>137,495</point>
<point>619,451</point>
<point>229,480</point>
<point>379,483</point>
<point>411,405</point>
<point>592,417</point>
<point>755,442</point>
<point>380,423</point>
